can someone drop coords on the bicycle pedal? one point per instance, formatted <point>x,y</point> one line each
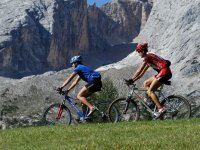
<point>160,115</point>
<point>88,120</point>
<point>105,118</point>
<point>87,117</point>
<point>82,120</point>
<point>78,120</point>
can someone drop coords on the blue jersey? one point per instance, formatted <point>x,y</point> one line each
<point>86,73</point>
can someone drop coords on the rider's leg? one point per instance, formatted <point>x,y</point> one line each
<point>84,92</point>
<point>84,108</point>
<point>148,82</point>
<point>155,84</point>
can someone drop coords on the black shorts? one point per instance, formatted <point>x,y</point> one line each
<point>94,85</point>
<point>165,78</point>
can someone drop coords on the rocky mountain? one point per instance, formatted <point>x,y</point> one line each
<point>41,35</point>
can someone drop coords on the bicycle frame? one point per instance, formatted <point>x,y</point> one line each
<point>73,105</point>
<point>133,90</point>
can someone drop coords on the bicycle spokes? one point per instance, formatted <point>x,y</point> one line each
<point>177,107</point>
<point>123,110</point>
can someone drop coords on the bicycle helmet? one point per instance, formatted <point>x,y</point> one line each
<point>75,59</point>
<point>142,47</point>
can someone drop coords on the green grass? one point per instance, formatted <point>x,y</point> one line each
<point>149,135</point>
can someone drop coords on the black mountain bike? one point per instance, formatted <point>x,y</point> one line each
<point>128,109</point>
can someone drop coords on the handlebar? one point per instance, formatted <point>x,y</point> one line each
<point>129,82</point>
<point>63,92</point>
<point>132,85</point>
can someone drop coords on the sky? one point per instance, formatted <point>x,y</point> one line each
<point>98,2</point>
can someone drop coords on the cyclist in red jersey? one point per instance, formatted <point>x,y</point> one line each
<point>164,74</point>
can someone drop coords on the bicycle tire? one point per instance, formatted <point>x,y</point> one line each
<point>177,107</point>
<point>50,114</point>
<point>103,106</point>
<point>119,105</point>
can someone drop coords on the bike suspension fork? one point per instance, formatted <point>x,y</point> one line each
<point>127,105</point>
<point>59,111</point>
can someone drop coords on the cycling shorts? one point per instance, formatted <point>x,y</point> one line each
<point>94,85</point>
<point>164,75</point>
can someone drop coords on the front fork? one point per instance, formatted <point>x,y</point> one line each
<point>127,104</point>
<point>59,114</point>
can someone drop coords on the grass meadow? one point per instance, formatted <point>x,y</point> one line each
<point>144,135</point>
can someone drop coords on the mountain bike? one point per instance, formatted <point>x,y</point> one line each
<point>61,113</point>
<point>129,108</point>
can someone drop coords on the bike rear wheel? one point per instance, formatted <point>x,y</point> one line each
<point>177,107</point>
<point>122,110</point>
<point>51,113</point>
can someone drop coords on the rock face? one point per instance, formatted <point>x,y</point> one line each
<point>70,32</point>
<point>24,35</point>
<point>41,35</point>
<point>130,16</point>
<point>37,33</point>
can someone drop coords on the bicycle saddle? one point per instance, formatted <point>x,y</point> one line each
<point>167,82</point>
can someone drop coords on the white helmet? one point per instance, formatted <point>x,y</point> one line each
<point>74,59</point>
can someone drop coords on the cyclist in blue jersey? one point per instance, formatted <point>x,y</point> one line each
<point>85,73</point>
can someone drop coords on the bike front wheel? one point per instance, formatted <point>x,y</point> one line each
<point>56,114</point>
<point>177,107</point>
<point>122,110</point>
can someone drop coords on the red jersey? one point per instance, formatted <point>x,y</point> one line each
<point>155,61</point>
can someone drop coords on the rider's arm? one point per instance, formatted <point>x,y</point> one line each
<point>140,72</point>
<point>68,80</point>
<point>74,83</point>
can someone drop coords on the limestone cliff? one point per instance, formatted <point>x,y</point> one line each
<point>41,35</point>
<point>70,32</point>
<point>129,15</point>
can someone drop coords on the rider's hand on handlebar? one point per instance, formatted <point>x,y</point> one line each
<point>66,92</point>
<point>129,81</point>
<point>59,90</point>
